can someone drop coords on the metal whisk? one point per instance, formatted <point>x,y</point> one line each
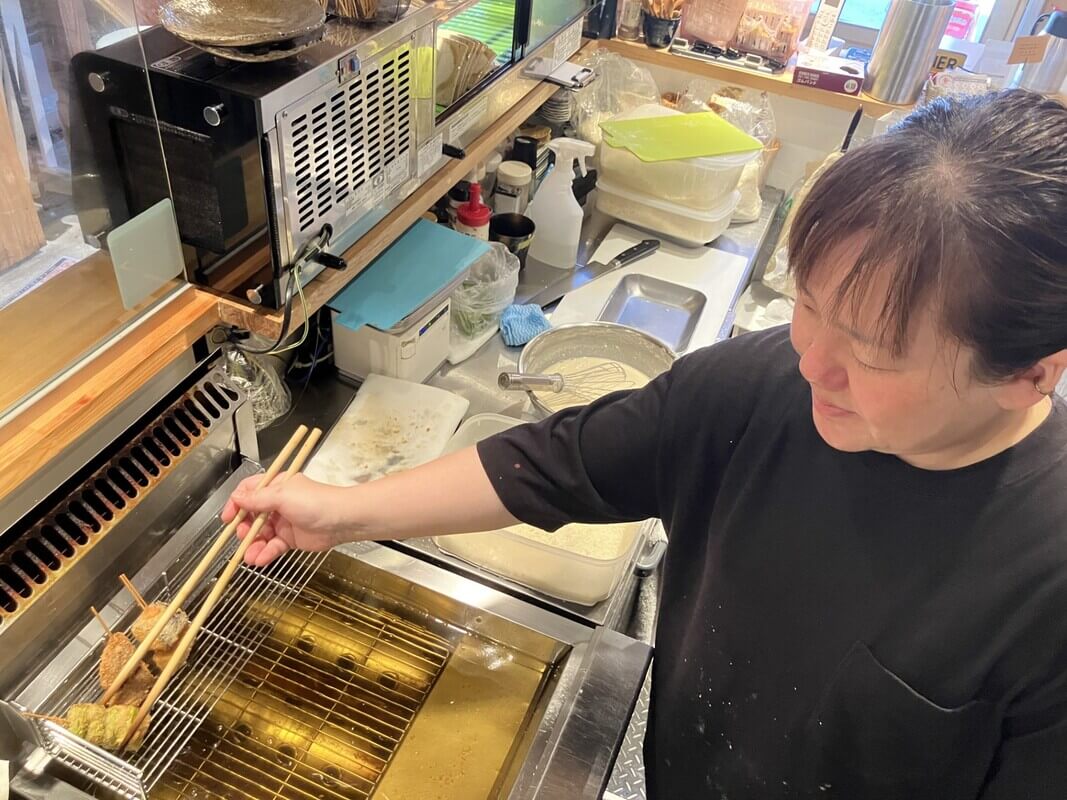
<point>582,386</point>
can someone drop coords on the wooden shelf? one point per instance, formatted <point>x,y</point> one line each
<point>775,84</point>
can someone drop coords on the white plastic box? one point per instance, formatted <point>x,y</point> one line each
<point>685,225</point>
<point>564,574</point>
<point>411,350</point>
<point>701,184</point>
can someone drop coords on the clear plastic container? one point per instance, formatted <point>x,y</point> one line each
<point>702,184</point>
<point>684,225</point>
<point>712,21</point>
<point>771,28</point>
<point>575,577</point>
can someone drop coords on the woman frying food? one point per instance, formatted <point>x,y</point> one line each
<point>865,593</point>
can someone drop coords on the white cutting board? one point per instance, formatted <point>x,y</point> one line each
<point>391,425</point>
<point>713,272</point>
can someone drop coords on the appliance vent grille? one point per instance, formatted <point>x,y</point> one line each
<point>343,149</point>
<point>37,558</point>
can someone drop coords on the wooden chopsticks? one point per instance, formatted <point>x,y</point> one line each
<point>183,647</point>
<point>205,563</point>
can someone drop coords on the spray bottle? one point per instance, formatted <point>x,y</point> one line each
<point>555,212</point>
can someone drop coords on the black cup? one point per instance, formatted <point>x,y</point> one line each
<point>659,32</point>
<point>514,231</point>
<point>525,150</point>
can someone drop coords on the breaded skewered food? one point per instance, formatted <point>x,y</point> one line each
<point>117,651</point>
<point>106,726</point>
<point>160,658</point>
<point>172,632</point>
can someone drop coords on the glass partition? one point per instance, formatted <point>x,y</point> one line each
<point>62,293</point>
<point>472,47</point>
<point>548,17</point>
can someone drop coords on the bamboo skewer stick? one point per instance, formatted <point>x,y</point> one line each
<point>138,598</point>
<point>100,619</point>
<point>183,647</point>
<point>193,580</point>
<point>46,717</point>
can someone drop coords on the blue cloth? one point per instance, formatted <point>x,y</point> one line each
<point>519,324</point>
<point>416,266</point>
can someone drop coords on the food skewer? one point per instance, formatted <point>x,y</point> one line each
<point>223,581</point>
<point>117,649</point>
<point>193,580</point>
<point>138,598</point>
<point>100,619</point>
<point>46,717</point>
<point>106,727</point>
<point>167,640</point>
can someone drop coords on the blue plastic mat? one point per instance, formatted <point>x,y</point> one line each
<point>415,268</point>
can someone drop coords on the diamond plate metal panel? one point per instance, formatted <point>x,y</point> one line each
<point>628,778</point>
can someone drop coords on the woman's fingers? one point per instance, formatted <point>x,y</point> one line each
<point>262,552</point>
<point>268,530</point>
<point>245,488</point>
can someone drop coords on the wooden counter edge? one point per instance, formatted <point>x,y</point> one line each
<point>49,423</point>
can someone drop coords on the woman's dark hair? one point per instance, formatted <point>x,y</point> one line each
<point>965,201</point>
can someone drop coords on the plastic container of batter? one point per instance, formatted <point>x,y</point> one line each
<point>585,577</point>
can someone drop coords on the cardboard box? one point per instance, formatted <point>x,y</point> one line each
<point>831,73</point>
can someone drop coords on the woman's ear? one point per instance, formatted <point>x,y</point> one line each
<point>1030,386</point>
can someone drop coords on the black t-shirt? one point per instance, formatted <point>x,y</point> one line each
<point>832,625</point>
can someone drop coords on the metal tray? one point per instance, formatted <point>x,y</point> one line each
<point>666,310</point>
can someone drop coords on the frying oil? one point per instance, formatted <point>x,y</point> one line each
<point>319,711</point>
<point>464,737</point>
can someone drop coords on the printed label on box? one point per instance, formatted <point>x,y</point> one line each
<point>429,153</point>
<point>568,43</point>
<point>468,118</point>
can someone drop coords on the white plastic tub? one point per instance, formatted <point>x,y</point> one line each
<point>575,577</point>
<point>702,184</point>
<point>685,225</point>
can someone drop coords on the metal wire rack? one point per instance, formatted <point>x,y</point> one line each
<point>318,711</point>
<point>222,649</point>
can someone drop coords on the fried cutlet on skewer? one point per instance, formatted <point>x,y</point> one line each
<point>117,651</point>
<point>168,637</point>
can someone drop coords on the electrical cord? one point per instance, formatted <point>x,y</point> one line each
<point>236,337</point>
<point>307,321</point>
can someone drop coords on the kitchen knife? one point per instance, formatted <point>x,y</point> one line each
<point>579,277</point>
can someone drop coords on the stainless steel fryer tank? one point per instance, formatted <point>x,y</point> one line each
<point>326,675</point>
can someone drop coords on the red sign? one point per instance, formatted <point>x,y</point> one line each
<point>962,20</point>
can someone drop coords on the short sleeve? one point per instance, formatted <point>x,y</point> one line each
<point>598,464</point>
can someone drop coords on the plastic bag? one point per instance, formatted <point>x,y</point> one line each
<point>482,297</point>
<point>748,110</point>
<point>778,275</point>
<point>621,86</point>
<point>257,378</point>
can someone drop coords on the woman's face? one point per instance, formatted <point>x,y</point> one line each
<point>923,406</point>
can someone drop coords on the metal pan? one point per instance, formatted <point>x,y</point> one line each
<point>666,310</point>
<point>605,340</point>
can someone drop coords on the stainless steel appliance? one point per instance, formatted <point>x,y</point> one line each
<point>365,672</point>
<point>1050,73</point>
<point>278,167</point>
<point>264,161</point>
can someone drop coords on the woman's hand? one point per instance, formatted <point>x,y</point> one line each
<point>304,515</point>
<point>450,495</point>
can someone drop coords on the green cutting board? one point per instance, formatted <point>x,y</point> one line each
<point>678,136</point>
